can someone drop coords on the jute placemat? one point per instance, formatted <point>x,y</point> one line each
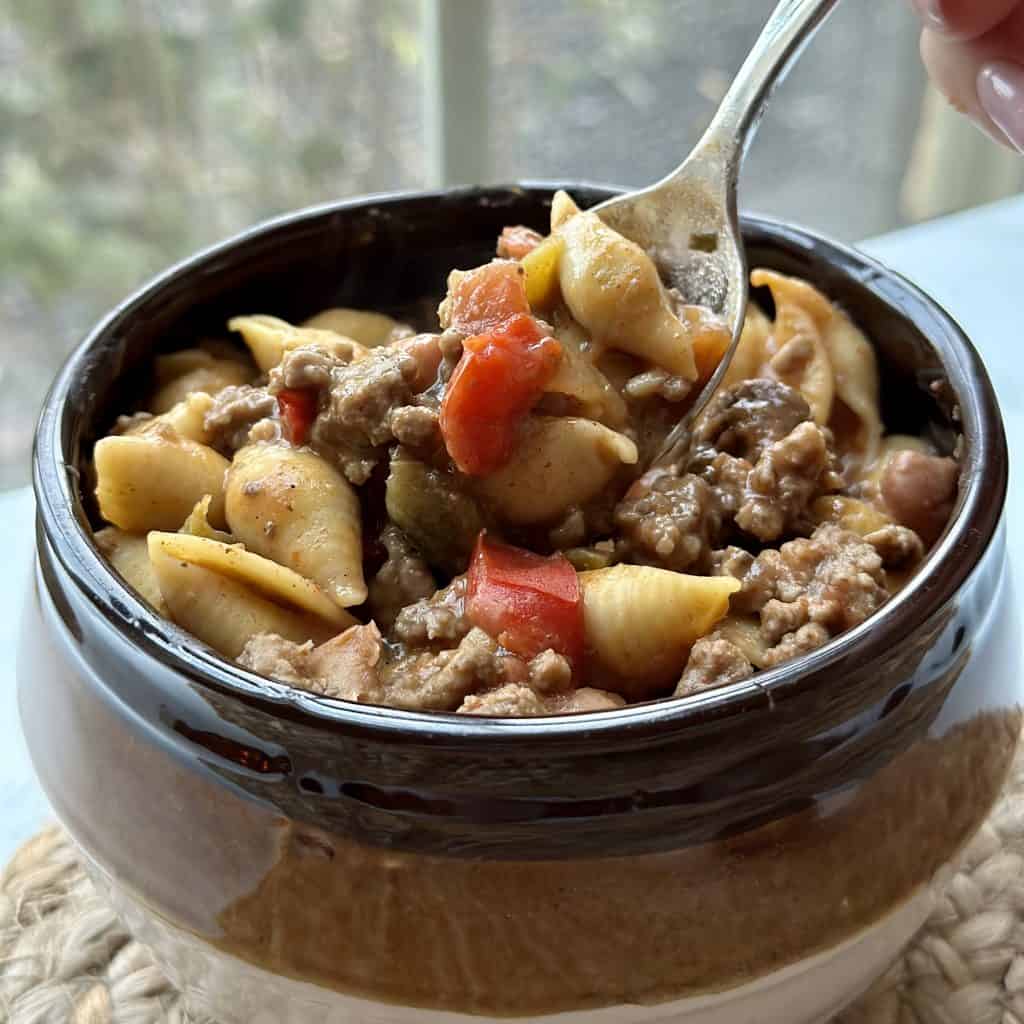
<point>65,959</point>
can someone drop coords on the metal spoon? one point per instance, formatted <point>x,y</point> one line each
<point>688,222</point>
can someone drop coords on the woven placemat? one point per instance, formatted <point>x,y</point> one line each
<point>66,959</point>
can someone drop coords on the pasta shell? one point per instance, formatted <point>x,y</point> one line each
<point>152,480</point>
<point>613,291</point>
<point>798,354</point>
<point>269,337</point>
<point>187,419</point>
<point>577,377</point>
<point>751,353</point>
<point>202,373</point>
<point>266,578</point>
<point>640,623</point>
<point>745,632</point>
<point>198,523</point>
<point>220,610</point>
<point>563,207</point>
<point>129,555</point>
<point>857,385</point>
<point>369,329</point>
<point>559,461</point>
<point>292,506</point>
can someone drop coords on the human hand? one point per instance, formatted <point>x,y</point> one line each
<point>974,52</point>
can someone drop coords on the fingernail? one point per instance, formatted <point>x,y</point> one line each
<point>931,13</point>
<point>1001,94</point>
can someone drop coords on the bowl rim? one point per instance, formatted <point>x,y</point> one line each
<point>62,523</point>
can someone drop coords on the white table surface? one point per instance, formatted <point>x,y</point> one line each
<point>972,263</point>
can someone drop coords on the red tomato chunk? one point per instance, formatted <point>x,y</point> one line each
<point>527,602</point>
<point>499,378</point>
<point>482,299</point>
<point>517,241</point>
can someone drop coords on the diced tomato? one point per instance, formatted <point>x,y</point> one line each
<point>499,378</point>
<point>517,240</point>
<point>298,410</point>
<point>527,602</point>
<point>481,299</point>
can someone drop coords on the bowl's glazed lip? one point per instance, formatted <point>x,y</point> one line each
<point>62,522</point>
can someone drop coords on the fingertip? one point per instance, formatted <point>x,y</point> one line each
<point>1000,87</point>
<point>956,71</point>
<point>963,19</point>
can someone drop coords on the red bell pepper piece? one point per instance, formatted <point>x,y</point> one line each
<point>298,410</point>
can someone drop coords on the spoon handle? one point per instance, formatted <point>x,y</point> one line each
<point>783,37</point>
<point>717,157</point>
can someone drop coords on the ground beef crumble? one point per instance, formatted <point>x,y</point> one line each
<point>745,419</point>
<point>310,366</point>
<point>783,483</point>
<point>898,546</point>
<point>363,402</point>
<point>439,619</point>
<point>809,590</point>
<point>714,661</point>
<point>235,411</point>
<point>441,681</point>
<point>669,520</point>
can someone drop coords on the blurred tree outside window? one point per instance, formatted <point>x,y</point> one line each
<point>133,132</point>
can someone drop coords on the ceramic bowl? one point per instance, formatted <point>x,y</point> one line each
<point>758,852</point>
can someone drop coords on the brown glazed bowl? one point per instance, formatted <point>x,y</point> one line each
<point>758,852</point>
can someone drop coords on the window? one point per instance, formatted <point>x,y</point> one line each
<point>134,131</point>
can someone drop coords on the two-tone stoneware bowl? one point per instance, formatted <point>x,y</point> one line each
<point>755,853</point>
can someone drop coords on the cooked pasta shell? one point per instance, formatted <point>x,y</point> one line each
<point>563,207</point>
<point>175,364</point>
<point>613,291</point>
<point>220,610</point>
<point>857,386</point>
<point>578,378</point>
<point>187,419</point>
<point>751,353</point>
<point>798,354</point>
<point>198,523</point>
<point>640,623</point>
<point>745,632</point>
<point>129,555</point>
<point>559,462</point>
<point>292,506</point>
<point>181,374</point>
<point>152,480</point>
<point>269,337</point>
<point>266,578</point>
<point>370,329</point>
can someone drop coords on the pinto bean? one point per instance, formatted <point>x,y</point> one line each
<point>919,491</point>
